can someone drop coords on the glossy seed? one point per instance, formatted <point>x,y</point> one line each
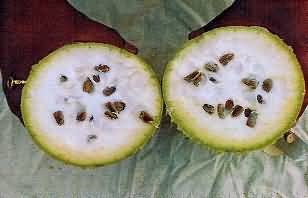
<point>111,115</point>
<point>96,78</point>
<point>102,68</point>
<point>197,80</point>
<point>212,67</point>
<point>267,85</point>
<point>208,108</point>
<point>63,78</point>
<point>145,117</point>
<point>250,82</point>
<point>247,112</point>
<point>229,105</point>
<point>191,76</point>
<point>88,86</point>
<point>221,111</point>
<point>91,138</point>
<point>252,119</point>
<point>81,116</point>
<point>289,137</point>
<point>119,106</point>
<point>226,58</point>
<point>237,111</point>
<point>109,90</point>
<point>59,117</point>
<point>260,99</point>
<point>212,79</point>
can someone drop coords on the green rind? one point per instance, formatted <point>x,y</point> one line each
<point>32,131</point>
<point>187,127</point>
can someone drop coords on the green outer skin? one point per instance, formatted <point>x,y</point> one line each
<point>25,107</point>
<point>188,128</point>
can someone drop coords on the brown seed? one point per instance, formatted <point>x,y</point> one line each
<point>110,106</point>
<point>59,117</point>
<point>88,86</point>
<point>109,90</point>
<point>197,80</point>
<point>212,79</point>
<point>91,138</point>
<point>208,108</point>
<point>81,116</point>
<point>102,68</point>
<point>289,137</point>
<point>111,115</point>
<point>229,105</point>
<point>96,78</point>
<point>226,58</point>
<point>260,99</point>
<point>252,119</point>
<point>63,78</point>
<point>212,67</point>
<point>145,117</point>
<point>221,111</point>
<point>267,85</point>
<point>191,76</point>
<point>119,106</point>
<point>250,82</point>
<point>247,112</point>
<point>237,111</point>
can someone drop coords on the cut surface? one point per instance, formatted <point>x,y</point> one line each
<point>256,70</point>
<point>71,84</point>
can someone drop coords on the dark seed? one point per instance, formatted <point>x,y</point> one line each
<point>59,117</point>
<point>110,106</point>
<point>145,117</point>
<point>221,111</point>
<point>197,80</point>
<point>260,99</point>
<point>237,111</point>
<point>109,90</point>
<point>267,85</point>
<point>289,137</point>
<point>102,68</point>
<point>250,82</point>
<point>91,118</point>
<point>91,138</point>
<point>247,112</point>
<point>88,86</point>
<point>208,108</point>
<point>191,76</point>
<point>212,79</point>
<point>96,78</point>
<point>119,106</point>
<point>111,115</point>
<point>229,105</point>
<point>252,119</point>
<point>63,78</point>
<point>212,67</point>
<point>226,58</point>
<point>81,116</point>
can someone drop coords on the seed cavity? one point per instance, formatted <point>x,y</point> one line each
<point>221,111</point>
<point>252,119</point>
<point>267,85</point>
<point>237,111</point>
<point>88,86</point>
<point>145,117</point>
<point>102,68</point>
<point>247,112</point>
<point>208,108</point>
<point>212,67</point>
<point>229,105</point>
<point>111,115</point>
<point>59,117</point>
<point>109,90</point>
<point>260,99</point>
<point>252,83</point>
<point>63,78</point>
<point>96,78</point>
<point>81,116</point>
<point>226,58</point>
<point>91,138</point>
<point>195,77</point>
